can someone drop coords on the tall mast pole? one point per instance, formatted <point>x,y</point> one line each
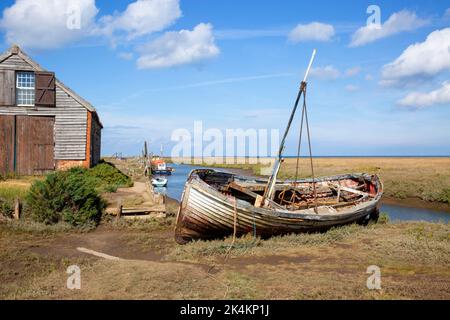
<point>269,190</point>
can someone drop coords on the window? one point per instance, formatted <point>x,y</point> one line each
<point>25,88</point>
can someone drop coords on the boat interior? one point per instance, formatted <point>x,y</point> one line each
<point>334,193</point>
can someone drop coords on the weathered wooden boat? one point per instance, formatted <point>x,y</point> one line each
<point>217,204</point>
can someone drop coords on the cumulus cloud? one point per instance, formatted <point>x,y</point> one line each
<point>142,17</point>
<point>398,22</point>
<point>48,23</point>
<point>314,31</point>
<point>427,99</point>
<point>176,48</point>
<point>423,59</point>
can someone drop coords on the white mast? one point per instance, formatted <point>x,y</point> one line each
<point>268,193</point>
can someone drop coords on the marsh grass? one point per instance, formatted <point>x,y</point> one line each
<point>249,245</point>
<point>151,224</point>
<point>28,226</point>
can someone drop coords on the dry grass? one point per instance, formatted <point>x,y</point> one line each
<point>12,188</point>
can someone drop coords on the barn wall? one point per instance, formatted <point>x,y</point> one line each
<point>70,117</point>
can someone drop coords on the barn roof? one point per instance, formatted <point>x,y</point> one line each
<point>16,50</point>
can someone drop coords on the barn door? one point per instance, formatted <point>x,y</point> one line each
<point>45,89</point>
<point>6,145</point>
<point>34,145</point>
<point>7,88</point>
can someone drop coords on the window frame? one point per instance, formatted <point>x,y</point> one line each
<point>32,89</point>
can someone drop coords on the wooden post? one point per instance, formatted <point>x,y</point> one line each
<point>16,209</point>
<point>119,210</point>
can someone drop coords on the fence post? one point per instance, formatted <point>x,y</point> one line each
<point>16,209</point>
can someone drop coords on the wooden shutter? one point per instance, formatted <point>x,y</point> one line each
<point>45,89</point>
<point>7,88</point>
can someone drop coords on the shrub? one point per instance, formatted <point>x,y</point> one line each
<point>6,209</point>
<point>383,218</point>
<point>445,196</point>
<point>106,177</point>
<point>65,196</point>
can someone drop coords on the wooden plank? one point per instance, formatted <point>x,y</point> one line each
<point>35,145</point>
<point>7,88</point>
<point>6,144</point>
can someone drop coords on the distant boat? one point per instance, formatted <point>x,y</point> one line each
<point>159,166</point>
<point>217,204</point>
<point>159,182</point>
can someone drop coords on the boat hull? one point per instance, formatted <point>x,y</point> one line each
<point>206,213</point>
<point>164,172</point>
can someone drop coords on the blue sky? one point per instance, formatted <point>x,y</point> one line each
<point>152,66</point>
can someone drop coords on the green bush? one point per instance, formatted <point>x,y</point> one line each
<point>6,209</point>
<point>445,196</point>
<point>383,218</point>
<point>67,196</point>
<point>107,178</point>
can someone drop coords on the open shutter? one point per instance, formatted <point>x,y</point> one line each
<point>45,89</point>
<point>7,88</point>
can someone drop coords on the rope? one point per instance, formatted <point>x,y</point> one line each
<point>227,254</point>
<point>305,118</point>
<point>310,150</point>
<point>300,137</point>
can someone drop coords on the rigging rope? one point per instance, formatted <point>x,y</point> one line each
<point>305,118</point>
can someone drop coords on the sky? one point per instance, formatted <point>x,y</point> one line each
<point>379,84</point>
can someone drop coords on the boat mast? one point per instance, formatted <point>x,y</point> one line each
<point>268,192</point>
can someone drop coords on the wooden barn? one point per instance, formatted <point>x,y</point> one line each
<point>44,125</point>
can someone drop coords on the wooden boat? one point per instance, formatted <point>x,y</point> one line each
<point>212,201</point>
<point>217,204</point>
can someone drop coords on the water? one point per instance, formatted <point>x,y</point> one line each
<point>178,178</point>
<point>400,213</point>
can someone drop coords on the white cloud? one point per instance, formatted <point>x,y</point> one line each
<point>142,17</point>
<point>325,73</point>
<point>330,72</point>
<point>352,71</point>
<point>126,55</point>
<point>314,31</point>
<point>47,23</point>
<point>351,88</point>
<point>368,77</point>
<point>427,99</point>
<point>424,59</point>
<point>176,48</point>
<point>398,22</point>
